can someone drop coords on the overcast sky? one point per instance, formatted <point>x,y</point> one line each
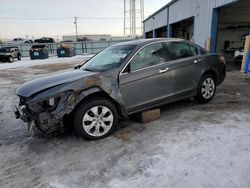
<point>63,10</point>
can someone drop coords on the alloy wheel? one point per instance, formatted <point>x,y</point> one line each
<point>98,120</point>
<point>208,88</point>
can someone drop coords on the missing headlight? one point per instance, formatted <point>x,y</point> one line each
<point>50,103</point>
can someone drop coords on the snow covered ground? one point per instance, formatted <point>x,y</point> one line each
<point>191,146</point>
<point>26,62</point>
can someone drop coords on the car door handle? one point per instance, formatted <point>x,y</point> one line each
<point>198,60</point>
<point>163,70</point>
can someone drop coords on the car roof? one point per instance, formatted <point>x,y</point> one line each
<point>142,42</point>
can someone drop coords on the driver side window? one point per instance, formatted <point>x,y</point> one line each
<point>151,55</point>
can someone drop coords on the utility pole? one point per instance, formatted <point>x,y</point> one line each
<point>142,16</point>
<point>133,18</point>
<point>124,27</point>
<point>76,27</point>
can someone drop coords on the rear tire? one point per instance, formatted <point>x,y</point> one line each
<point>19,57</point>
<point>95,119</point>
<point>206,89</point>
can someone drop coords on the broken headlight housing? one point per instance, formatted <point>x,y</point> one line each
<point>50,104</point>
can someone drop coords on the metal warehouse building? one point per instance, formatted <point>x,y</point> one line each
<point>222,23</point>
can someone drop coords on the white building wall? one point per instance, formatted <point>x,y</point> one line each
<point>149,25</point>
<point>203,21</point>
<point>201,10</point>
<point>180,10</point>
<point>203,18</point>
<point>161,19</point>
<point>157,21</point>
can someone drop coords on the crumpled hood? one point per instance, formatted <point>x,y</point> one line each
<point>37,85</point>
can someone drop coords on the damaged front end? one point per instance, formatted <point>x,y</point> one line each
<point>47,102</point>
<point>47,114</point>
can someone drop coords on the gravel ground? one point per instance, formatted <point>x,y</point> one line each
<point>191,145</point>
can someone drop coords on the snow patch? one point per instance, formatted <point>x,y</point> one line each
<point>27,62</point>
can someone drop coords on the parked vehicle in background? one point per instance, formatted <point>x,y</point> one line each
<point>18,41</point>
<point>39,52</point>
<point>238,55</point>
<point>121,80</point>
<point>29,41</point>
<point>9,54</point>
<point>1,42</point>
<point>44,40</point>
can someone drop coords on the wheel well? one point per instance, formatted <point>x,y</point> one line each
<point>102,94</point>
<point>212,73</point>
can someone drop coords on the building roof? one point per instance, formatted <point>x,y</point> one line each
<point>162,8</point>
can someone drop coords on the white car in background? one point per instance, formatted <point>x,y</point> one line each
<point>17,41</point>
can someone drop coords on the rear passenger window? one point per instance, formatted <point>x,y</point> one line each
<point>178,50</point>
<point>194,50</point>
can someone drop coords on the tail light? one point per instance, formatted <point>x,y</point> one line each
<point>222,59</point>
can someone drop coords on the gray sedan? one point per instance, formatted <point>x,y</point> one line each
<point>124,79</point>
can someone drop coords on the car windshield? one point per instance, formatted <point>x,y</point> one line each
<point>109,58</point>
<point>4,49</point>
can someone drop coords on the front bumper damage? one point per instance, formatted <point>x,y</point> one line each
<point>71,88</point>
<point>47,121</point>
<point>22,113</point>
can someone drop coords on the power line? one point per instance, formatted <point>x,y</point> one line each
<point>100,18</point>
<point>18,18</point>
<point>59,18</point>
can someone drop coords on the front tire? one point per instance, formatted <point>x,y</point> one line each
<point>206,89</point>
<point>10,59</point>
<point>95,119</point>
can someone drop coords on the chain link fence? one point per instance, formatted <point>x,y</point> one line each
<point>90,47</point>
